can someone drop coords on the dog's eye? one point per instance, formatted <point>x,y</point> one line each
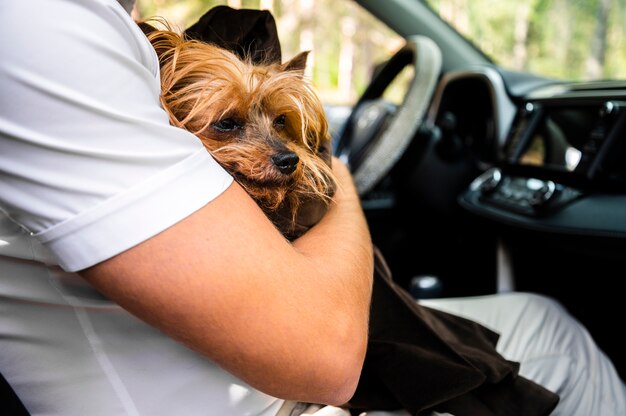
<point>226,125</point>
<point>280,121</point>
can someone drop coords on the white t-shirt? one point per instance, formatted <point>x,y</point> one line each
<point>89,167</point>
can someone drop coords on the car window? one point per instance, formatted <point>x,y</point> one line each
<point>574,40</point>
<point>346,42</point>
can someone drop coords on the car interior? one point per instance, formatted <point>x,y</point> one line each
<point>484,179</point>
<point>510,181</point>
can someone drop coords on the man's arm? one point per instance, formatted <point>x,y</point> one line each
<point>291,320</point>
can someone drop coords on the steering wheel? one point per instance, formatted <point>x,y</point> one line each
<point>375,134</point>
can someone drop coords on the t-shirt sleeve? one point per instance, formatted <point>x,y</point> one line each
<point>88,161</point>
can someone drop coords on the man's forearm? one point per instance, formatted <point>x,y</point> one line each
<point>348,260</point>
<point>350,255</point>
<point>290,319</point>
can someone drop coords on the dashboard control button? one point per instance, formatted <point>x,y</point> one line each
<point>522,195</point>
<point>543,194</point>
<point>487,182</point>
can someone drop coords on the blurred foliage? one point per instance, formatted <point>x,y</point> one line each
<point>566,39</point>
<point>346,42</point>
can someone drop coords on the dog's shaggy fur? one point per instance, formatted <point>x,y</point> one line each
<point>263,123</point>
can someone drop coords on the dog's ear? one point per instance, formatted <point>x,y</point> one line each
<point>297,63</point>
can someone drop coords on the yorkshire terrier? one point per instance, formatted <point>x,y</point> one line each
<point>263,123</point>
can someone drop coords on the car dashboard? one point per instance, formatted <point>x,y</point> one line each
<point>548,189</point>
<point>562,165</point>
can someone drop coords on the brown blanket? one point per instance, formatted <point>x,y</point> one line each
<point>418,359</point>
<point>421,359</point>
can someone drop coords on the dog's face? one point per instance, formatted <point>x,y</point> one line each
<point>262,123</point>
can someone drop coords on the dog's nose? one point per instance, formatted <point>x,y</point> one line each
<point>286,162</point>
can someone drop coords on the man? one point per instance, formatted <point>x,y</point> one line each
<point>96,185</point>
<point>137,278</point>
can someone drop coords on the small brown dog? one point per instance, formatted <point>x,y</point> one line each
<point>263,123</point>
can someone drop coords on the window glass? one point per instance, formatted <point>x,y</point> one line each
<point>565,39</point>
<point>345,41</point>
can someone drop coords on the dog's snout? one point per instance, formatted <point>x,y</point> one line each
<point>286,162</point>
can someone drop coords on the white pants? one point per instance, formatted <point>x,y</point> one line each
<point>553,349</point>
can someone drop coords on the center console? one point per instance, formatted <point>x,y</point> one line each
<point>563,167</point>
<point>555,201</point>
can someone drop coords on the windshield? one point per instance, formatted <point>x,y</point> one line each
<point>564,39</point>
